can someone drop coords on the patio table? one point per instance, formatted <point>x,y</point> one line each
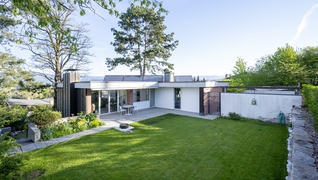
<point>128,108</point>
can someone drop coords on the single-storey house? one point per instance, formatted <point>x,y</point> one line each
<point>164,91</point>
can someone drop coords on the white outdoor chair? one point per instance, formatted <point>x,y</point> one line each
<point>121,111</point>
<point>134,110</point>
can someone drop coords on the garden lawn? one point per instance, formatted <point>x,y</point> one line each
<point>170,147</point>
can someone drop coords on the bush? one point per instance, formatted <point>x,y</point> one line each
<point>95,123</point>
<point>9,165</point>
<point>13,116</point>
<point>43,116</point>
<point>234,116</point>
<point>310,95</point>
<point>82,123</point>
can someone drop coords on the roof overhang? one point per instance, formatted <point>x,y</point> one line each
<point>194,84</point>
<point>115,85</point>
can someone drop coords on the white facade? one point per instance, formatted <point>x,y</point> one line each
<point>189,98</point>
<point>267,106</point>
<point>165,98</point>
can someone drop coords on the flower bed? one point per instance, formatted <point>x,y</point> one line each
<point>66,126</point>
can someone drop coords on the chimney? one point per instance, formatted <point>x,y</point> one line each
<point>169,76</point>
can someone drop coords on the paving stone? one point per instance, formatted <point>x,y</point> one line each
<point>51,142</point>
<point>305,144</point>
<point>297,137</point>
<point>302,158</point>
<point>29,147</point>
<point>15,151</point>
<point>62,139</point>
<point>299,122</point>
<point>304,172</point>
<point>40,144</point>
<point>72,136</point>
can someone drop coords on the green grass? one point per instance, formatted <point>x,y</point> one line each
<point>170,147</point>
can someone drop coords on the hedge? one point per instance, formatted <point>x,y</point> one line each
<point>310,95</point>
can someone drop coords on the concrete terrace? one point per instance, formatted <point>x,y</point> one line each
<point>111,120</point>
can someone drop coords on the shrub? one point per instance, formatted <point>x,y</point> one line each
<point>44,116</point>
<point>234,116</point>
<point>80,124</point>
<point>310,95</point>
<point>9,165</point>
<point>95,123</point>
<point>13,116</point>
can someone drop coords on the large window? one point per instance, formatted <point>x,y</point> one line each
<point>140,95</point>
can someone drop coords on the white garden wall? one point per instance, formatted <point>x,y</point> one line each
<point>267,105</point>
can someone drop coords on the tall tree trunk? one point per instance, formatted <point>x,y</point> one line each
<point>57,79</point>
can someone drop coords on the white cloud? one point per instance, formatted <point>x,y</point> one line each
<point>303,23</point>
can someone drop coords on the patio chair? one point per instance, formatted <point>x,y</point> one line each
<point>121,111</point>
<point>134,110</point>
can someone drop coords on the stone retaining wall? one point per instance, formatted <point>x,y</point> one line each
<point>300,163</point>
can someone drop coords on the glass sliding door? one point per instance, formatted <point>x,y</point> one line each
<point>122,97</point>
<point>94,96</point>
<point>177,98</point>
<point>113,100</point>
<point>104,102</point>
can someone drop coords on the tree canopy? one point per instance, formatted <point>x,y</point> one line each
<point>142,42</point>
<point>57,46</point>
<point>12,73</point>
<point>282,68</point>
<point>7,23</point>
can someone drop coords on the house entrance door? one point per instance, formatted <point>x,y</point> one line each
<point>177,98</point>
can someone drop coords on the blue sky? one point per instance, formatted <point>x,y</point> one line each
<point>212,34</point>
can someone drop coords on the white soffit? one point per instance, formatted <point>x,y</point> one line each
<point>115,85</point>
<point>194,84</point>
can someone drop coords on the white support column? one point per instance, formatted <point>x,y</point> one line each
<point>117,92</point>
<point>99,102</point>
<point>108,92</point>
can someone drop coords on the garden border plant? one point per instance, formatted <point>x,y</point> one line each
<point>79,124</point>
<point>310,95</point>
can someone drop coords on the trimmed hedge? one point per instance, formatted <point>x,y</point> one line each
<point>310,95</point>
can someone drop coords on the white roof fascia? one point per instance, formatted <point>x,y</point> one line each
<point>193,84</point>
<point>116,85</point>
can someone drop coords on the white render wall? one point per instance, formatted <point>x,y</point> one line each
<point>190,99</point>
<point>268,106</point>
<point>165,98</point>
<point>141,105</point>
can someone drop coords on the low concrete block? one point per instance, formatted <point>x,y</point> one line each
<point>34,133</point>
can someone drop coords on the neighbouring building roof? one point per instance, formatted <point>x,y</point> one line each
<point>187,78</point>
<point>27,102</point>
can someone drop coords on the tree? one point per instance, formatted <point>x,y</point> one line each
<point>240,73</point>
<point>53,51</point>
<point>279,69</point>
<point>143,44</point>
<point>7,22</point>
<point>308,57</point>
<point>12,73</point>
<point>289,70</point>
<point>42,7</point>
